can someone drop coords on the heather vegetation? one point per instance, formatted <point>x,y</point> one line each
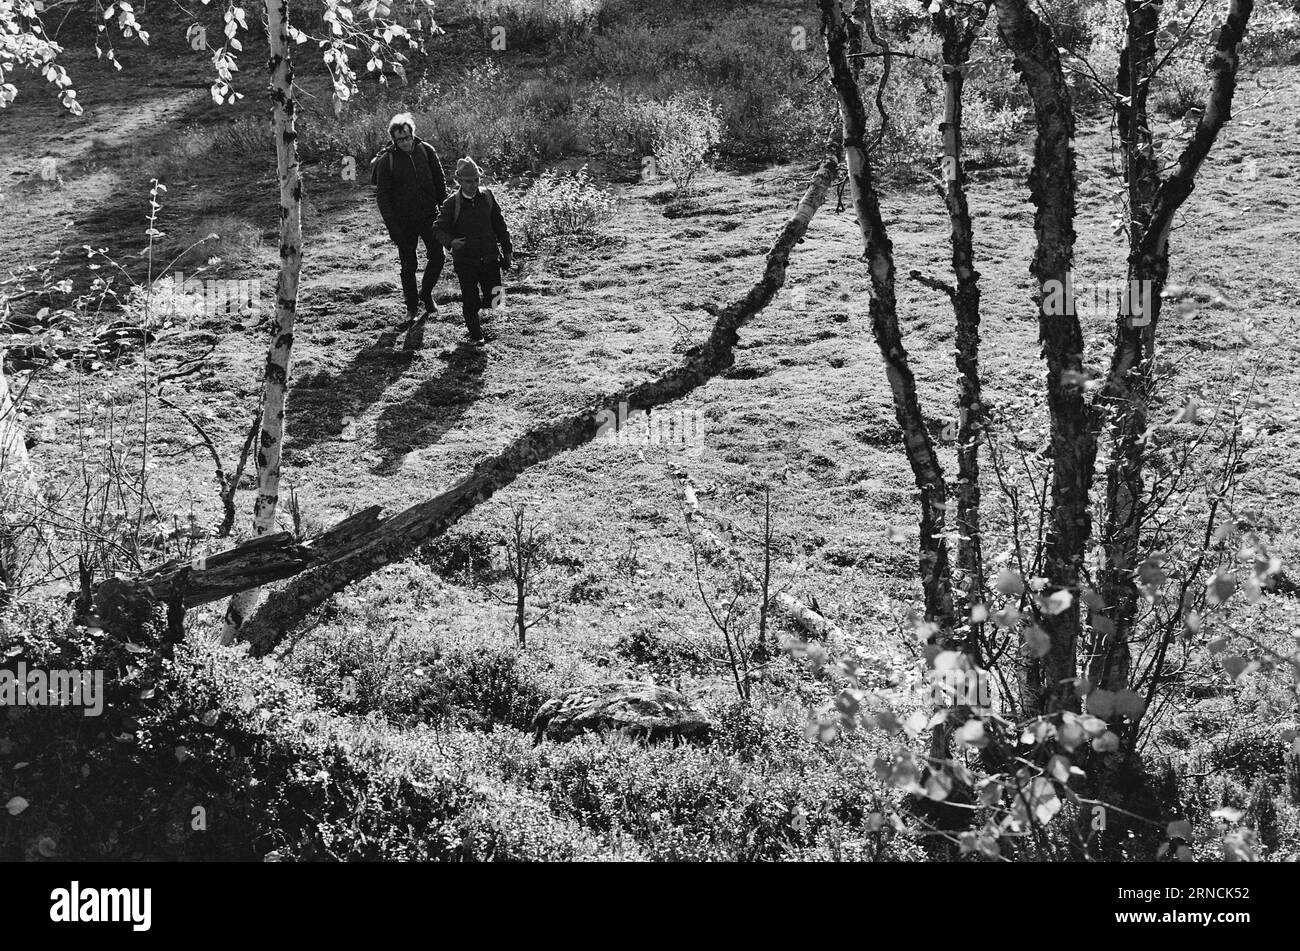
<point>1037,604</point>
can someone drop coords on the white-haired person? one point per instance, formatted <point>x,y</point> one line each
<point>471,226</point>
<point>409,187</point>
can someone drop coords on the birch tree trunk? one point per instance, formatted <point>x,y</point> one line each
<point>1153,204</point>
<point>280,354</point>
<point>957,38</point>
<point>16,474</point>
<point>1131,361</point>
<point>936,578</point>
<point>1076,426</point>
<point>1048,682</point>
<point>18,487</point>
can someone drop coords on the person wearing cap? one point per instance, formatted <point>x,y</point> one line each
<point>409,187</point>
<point>470,225</point>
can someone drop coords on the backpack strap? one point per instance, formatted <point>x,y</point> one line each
<point>390,150</point>
<point>431,154</point>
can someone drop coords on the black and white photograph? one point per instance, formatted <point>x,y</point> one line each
<point>651,431</point>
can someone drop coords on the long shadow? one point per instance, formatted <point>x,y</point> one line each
<point>212,185</point>
<point>432,409</point>
<point>323,403</point>
<point>113,222</point>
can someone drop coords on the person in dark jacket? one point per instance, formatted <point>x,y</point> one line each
<point>410,187</point>
<point>471,226</point>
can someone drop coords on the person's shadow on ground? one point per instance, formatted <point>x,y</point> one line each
<point>435,406</point>
<point>324,403</point>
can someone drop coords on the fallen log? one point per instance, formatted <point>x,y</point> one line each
<point>394,538</point>
<point>364,543</point>
<point>812,622</point>
<point>212,577</point>
<point>107,345</point>
<point>252,564</point>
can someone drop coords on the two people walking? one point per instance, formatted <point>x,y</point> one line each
<point>411,191</point>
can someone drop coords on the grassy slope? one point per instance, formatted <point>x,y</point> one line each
<point>370,424</point>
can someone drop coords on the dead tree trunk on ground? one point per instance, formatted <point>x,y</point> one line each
<point>812,622</point>
<point>394,538</point>
<point>245,567</point>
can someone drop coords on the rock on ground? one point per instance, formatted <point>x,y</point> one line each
<point>629,707</point>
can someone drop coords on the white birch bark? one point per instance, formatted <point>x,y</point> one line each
<point>280,353</point>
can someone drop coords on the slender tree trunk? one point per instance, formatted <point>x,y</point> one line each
<point>936,580</point>
<point>18,487</point>
<point>1131,361</point>
<point>16,473</point>
<point>957,38</point>
<point>1153,204</point>
<point>1048,679</point>
<point>521,619</point>
<point>279,356</point>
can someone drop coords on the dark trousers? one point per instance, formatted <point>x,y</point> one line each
<point>408,240</point>
<point>480,289</point>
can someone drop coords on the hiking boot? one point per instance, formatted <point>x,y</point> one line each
<point>412,314</point>
<point>414,337</point>
<point>430,308</point>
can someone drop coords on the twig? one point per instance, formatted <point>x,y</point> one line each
<point>932,282</point>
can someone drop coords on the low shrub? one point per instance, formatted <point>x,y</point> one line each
<point>666,654</point>
<point>992,134</point>
<point>216,756</point>
<point>501,120</point>
<point>1274,35</point>
<point>463,556</point>
<point>1070,20</point>
<point>362,663</point>
<point>757,74</point>
<point>614,122</point>
<point>701,804</point>
<point>1180,85</point>
<point>673,137</point>
<point>358,133</point>
<point>248,137</point>
<point>559,205</point>
<point>683,131</point>
<point>534,24</point>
